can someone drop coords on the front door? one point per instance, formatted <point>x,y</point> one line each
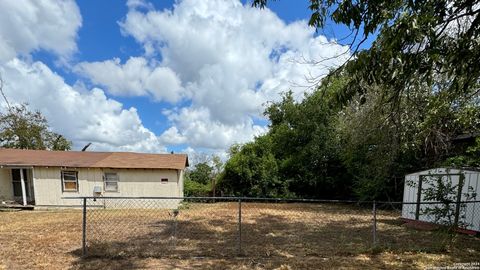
<point>17,185</point>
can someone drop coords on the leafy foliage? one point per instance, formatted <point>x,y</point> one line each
<point>252,171</point>
<point>470,158</point>
<point>21,128</point>
<point>442,189</point>
<point>394,108</point>
<point>202,179</point>
<point>202,173</point>
<point>320,148</point>
<point>417,41</point>
<point>195,189</point>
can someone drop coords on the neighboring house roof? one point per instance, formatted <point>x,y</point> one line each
<point>118,160</point>
<point>466,136</point>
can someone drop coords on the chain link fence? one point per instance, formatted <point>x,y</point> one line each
<point>257,227</point>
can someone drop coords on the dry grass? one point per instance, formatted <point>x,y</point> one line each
<point>275,236</point>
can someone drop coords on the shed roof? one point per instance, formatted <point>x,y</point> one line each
<point>446,170</point>
<point>119,160</point>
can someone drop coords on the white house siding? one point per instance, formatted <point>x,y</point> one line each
<point>6,187</point>
<point>472,179</point>
<point>132,183</point>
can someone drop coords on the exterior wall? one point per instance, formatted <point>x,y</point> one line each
<point>6,187</point>
<point>471,179</point>
<point>181,179</point>
<point>132,183</point>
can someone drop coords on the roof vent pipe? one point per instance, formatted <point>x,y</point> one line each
<point>86,146</point>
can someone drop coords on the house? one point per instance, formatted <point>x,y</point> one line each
<point>463,194</point>
<point>46,178</point>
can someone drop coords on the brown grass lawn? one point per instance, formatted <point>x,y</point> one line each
<point>205,236</point>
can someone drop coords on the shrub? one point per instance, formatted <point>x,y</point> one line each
<point>195,189</point>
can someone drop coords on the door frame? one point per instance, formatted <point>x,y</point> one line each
<point>29,189</point>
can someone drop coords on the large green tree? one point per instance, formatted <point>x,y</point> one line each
<point>201,180</point>
<point>320,148</point>
<point>25,129</point>
<point>252,170</point>
<point>408,96</point>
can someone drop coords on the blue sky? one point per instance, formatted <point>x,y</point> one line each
<point>153,76</point>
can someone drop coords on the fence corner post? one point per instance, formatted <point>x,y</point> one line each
<point>374,212</point>
<point>84,227</point>
<point>239,226</point>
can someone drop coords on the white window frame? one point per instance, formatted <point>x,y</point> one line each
<point>107,180</point>
<point>164,182</point>
<point>75,173</point>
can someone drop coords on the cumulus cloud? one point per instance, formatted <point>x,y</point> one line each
<point>87,116</point>
<point>82,115</point>
<point>200,131</point>
<point>26,26</point>
<point>231,59</point>
<point>134,78</point>
<point>217,61</point>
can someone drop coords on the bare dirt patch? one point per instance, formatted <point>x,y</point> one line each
<point>205,236</point>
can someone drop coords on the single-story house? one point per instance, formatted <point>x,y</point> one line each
<point>46,178</point>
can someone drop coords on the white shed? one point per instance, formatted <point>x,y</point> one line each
<point>463,185</point>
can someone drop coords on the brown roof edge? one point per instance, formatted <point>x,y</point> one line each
<point>92,159</point>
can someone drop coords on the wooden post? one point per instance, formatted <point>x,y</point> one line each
<point>24,192</point>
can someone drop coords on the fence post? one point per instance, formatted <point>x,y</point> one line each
<point>239,226</point>
<point>84,228</point>
<point>374,224</point>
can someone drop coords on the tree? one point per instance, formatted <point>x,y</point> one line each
<point>320,148</point>
<point>21,128</point>
<point>202,173</point>
<point>305,145</point>
<point>252,170</point>
<point>200,181</point>
<point>382,144</point>
<point>416,42</point>
<point>393,108</point>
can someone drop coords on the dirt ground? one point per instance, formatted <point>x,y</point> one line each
<point>205,236</point>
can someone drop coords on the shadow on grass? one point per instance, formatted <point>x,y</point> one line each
<point>264,235</point>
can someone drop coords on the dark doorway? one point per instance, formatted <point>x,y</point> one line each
<point>17,185</point>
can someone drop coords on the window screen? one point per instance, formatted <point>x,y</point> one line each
<point>111,181</point>
<point>70,180</point>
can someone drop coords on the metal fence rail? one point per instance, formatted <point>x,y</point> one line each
<point>226,227</point>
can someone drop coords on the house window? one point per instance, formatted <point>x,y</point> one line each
<point>111,181</point>
<point>70,180</point>
<point>164,180</point>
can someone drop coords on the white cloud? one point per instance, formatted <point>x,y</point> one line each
<point>134,78</point>
<point>82,115</point>
<point>26,26</point>
<point>224,60</point>
<point>87,116</point>
<point>231,59</point>
<point>200,132</point>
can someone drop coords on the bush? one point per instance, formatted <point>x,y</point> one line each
<point>195,189</point>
